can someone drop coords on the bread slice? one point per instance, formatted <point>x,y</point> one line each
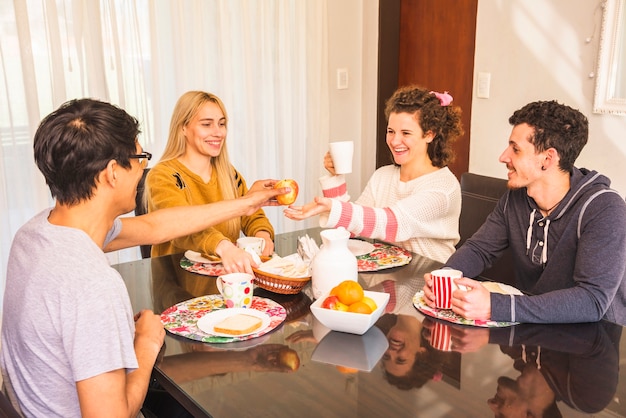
<point>493,287</point>
<point>238,324</point>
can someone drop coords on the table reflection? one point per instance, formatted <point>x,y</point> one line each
<point>421,367</point>
<point>577,364</point>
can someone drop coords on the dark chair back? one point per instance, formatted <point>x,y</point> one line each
<point>6,408</point>
<point>140,209</point>
<point>480,194</point>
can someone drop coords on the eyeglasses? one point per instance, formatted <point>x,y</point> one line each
<point>143,158</point>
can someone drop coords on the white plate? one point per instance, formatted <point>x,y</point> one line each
<point>359,247</point>
<point>196,257</point>
<point>208,321</point>
<point>504,288</point>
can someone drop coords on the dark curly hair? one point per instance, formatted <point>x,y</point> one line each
<point>424,367</point>
<point>443,121</point>
<point>556,126</point>
<point>75,143</point>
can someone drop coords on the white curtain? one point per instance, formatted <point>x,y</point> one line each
<point>267,60</point>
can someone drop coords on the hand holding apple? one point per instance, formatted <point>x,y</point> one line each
<point>287,198</point>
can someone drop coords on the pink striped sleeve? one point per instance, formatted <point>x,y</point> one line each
<point>346,214</point>
<point>373,222</point>
<point>335,191</point>
<point>369,221</point>
<point>392,225</point>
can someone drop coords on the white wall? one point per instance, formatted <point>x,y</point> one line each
<point>353,44</point>
<point>538,50</point>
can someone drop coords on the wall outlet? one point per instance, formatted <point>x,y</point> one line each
<point>484,84</point>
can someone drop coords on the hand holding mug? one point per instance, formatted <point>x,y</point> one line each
<point>328,163</point>
<point>443,285</point>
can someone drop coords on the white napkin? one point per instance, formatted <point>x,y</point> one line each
<point>307,248</point>
<point>289,266</point>
<point>254,255</point>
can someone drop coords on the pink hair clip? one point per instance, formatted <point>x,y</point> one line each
<point>444,98</point>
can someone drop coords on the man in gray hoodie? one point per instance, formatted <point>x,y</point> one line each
<point>565,226</point>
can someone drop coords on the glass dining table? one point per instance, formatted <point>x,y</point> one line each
<point>407,365</point>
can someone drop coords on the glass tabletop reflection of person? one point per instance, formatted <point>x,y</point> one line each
<point>576,364</point>
<point>409,361</point>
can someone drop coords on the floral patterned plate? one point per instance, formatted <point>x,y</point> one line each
<point>182,318</point>
<point>448,315</point>
<point>206,269</point>
<point>383,256</point>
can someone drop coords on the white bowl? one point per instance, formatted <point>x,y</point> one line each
<point>360,352</point>
<point>350,322</point>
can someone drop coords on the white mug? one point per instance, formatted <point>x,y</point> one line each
<point>255,244</point>
<point>341,152</point>
<point>236,289</point>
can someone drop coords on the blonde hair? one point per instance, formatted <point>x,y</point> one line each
<point>185,110</point>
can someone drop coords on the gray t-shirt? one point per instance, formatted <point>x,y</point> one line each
<point>67,317</point>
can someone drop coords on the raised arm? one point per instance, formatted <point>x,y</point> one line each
<point>166,224</point>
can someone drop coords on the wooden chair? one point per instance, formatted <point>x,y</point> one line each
<point>140,209</point>
<point>6,408</point>
<point>480,194</point>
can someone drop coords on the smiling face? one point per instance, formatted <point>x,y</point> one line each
<point>404,344</point>
<point>405,138</point>
<point>521,159</point>
<point>206,131</point>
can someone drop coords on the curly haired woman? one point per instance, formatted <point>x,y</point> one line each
<point>414,203</point>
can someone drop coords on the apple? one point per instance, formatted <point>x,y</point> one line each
<point>288,357</point>
<point>332,302</point>
<point>287,198</point>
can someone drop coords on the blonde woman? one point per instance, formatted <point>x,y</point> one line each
<point>195,169</point>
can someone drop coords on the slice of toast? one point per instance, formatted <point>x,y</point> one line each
<point>493,287</point>
<point>238,324</point>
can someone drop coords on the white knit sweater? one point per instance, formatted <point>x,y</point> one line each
<point>421,215</point>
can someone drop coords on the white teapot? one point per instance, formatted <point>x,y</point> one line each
<point>334,262</point>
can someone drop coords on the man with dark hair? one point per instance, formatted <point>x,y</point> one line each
<point>565,226</point>
<point>70,343</point>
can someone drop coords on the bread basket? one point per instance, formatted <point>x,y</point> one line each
<point>279,284</point>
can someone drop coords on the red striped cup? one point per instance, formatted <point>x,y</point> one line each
<point>441,337</point>
<point>443,286</point>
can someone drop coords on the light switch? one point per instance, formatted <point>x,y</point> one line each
<point>342,78</point>
<point>484,83</point>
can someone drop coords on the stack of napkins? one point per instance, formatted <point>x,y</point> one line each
<point>290,266</point>
<point>307,248</point>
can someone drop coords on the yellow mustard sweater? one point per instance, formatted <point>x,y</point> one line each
<point>171,184</point>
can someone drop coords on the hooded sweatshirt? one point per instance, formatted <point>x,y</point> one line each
<point>571,264</point>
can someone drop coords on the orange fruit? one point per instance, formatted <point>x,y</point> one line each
<point>347,370</point>
<point>349,292</point>
<point>360,307</point>
<point>370,302</point>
